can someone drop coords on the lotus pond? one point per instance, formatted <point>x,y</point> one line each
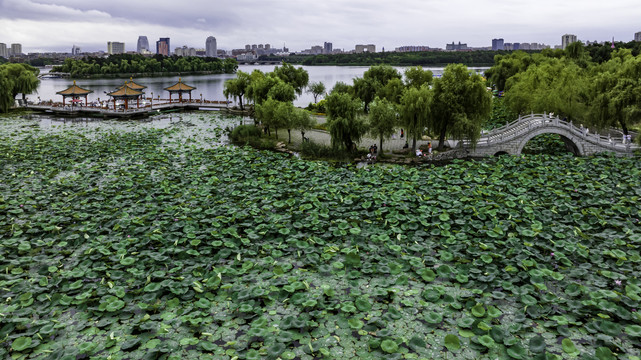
<point>156,240</point>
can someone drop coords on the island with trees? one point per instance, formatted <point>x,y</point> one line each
<point>126,65</point>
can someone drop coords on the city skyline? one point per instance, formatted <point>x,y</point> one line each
<point>56,25</point>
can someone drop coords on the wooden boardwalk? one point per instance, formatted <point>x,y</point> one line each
<point>133,111</point>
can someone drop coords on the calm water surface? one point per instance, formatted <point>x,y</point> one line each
<point>209,86</point>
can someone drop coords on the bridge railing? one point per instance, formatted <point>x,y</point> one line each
<point>526,123</point>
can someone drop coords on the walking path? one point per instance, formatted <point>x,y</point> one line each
<point>322,138</point>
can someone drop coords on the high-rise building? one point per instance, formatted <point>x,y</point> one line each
<point>637,36</point>
<point>567,39</point>
<point>162,46</point>
<point>359,49</point>
<point>114,47</point>
<point>143,45</point>
<point>3,51</point>
<point>497,44</point>
<point>16,49</point>
<point>211,47</point>
<point>327,48</point>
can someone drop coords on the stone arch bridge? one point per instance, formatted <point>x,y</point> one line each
<point>511,138</point>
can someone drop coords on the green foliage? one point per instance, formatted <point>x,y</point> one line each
<point>297,78</point>
<point>500,115</point>
<point>461,105</point>
<point>416,111</point>
<point>342,88</point>
<point>416,77</point>
<point>374,82</point>
<point>316,89</point>
<point>140,65</point>
<point>383,119</point>
<point>237,88</point>
<point>345,127</point>
<point>16,79</point>
<point>125,240</point>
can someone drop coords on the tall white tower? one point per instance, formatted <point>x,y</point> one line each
<point>210,47</point>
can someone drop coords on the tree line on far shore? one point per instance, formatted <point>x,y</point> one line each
<point>139,65</point>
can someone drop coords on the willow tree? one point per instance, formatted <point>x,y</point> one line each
<point>461,104</point>
<point>345,127</point>
<point>373,80</point>
<point>617,92</point>
<point>298,78</point>
<point>382,120</point>
<point>416,111</point>
<point>16,79</point>
<point>416,77</point>
<point>237,88</point>
<point>316,89</point>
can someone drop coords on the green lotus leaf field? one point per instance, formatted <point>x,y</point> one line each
<point>156,240</point>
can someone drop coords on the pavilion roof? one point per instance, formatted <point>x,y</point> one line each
<point>125,91</point>
<point>74,90</point>
<point>133,85</point>
<point>180,87</point>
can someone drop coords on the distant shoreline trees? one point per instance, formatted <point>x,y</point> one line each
<point>130,64</point>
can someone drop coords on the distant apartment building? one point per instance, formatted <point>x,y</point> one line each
<point>185,51</point>
<point>412,48</point>
<point>142,47</point>
<point>162,46</point>
<point>211,47</point>
<point>3,51</point>
<point>497,44</point>
<point>114,47</point>
<point>456,47</point>
<point>327,48</point>
<point>637,36</point>
<point>567,39</point>
<point>16,50</point>
<point>370,48</point>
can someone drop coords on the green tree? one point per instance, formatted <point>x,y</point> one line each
<point>382,120</point>
<point>298,78</point>
<point>237,88</point>
<point>461,104</point>
<point>617,92</point>
<point>345,127</point>
<point>16,79</point>
<point>316,89</point>
<point>373,80</point>
<point>416,77</point>
<point>342,88</point>
<point>416,111</point>
<point>302,120</point>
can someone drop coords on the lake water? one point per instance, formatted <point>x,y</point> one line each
<point>209,86</point>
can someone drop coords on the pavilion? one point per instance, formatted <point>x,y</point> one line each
<point>135,86</point>
<point>180,88</point>
<point>126,93</point>
<point>75,92</point>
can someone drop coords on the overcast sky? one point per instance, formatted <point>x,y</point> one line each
<point>56,25</point>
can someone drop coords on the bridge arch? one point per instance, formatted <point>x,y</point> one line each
<point>572,144</point>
